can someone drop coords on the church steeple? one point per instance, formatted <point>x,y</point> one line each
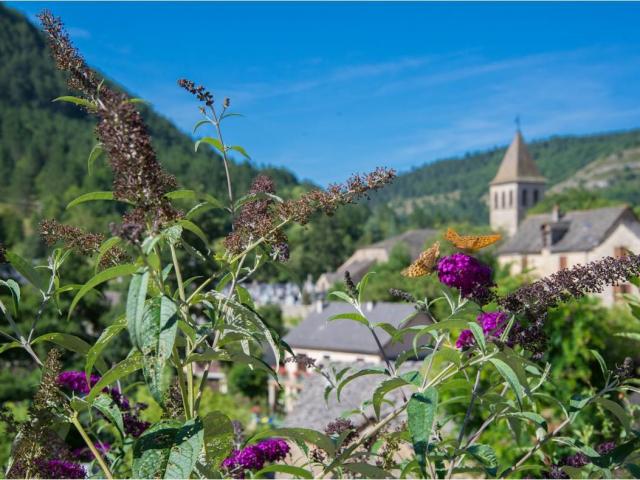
<point>517,186</point>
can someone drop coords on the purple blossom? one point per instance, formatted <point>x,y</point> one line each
<point>576,460</point>
<point>493,323</point>
<point>606,448</point>
<point>84,454</point>
<point>231,462</point>
<point>465,340</point>
<point>556,472</point>
<point>77,381</point>
<point>274,449</point>
<point>118,398</point>
<point>133,425</point>
<point>251,458</point>
<point>467,274</point>
<point>60,469</point>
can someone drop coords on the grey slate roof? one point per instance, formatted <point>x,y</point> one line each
<point>311,411</point>
<point>316,332</point>
<point>413,239</point>
<point>587,230</point>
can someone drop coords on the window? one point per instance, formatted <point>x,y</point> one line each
<point>510,198</point>
<point>563,262</point>
<point>524,198</point>
<point>535,196</point>
<point>495,200</point>
<point>503,201</point>
<point>620,252</point>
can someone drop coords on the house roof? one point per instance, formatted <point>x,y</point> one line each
<point>414,239</point>
<point>310,411</point>
<point>517,164</point>
<point>586,230</point>
<point>317,332</point>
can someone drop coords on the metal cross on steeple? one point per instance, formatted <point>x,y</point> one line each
<point>517,120</point>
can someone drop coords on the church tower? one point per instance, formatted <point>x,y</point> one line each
<point>517,186</point>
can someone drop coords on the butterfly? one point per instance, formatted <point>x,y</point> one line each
<point>471,242</point>
<point>424,264</point>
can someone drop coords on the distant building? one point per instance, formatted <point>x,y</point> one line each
<point>547,243</point>
<point>517,186</point>
<point>344,341</point>
<point>543,244</point>
<point>364,258</point>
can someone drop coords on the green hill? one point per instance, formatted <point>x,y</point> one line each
<point>44,146</point>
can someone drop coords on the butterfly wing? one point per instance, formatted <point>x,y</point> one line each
<point>471,242</point>
<point>424,264</point>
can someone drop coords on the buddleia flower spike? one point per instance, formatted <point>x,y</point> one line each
<point>425,263</point>
<point>471,242</point>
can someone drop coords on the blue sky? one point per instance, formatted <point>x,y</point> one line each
<point>329,89</point>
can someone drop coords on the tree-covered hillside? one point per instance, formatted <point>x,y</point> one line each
<point>44,145</point>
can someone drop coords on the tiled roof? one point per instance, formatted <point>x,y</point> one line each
<point>586,230</point>
<point>413,239</point>
<point>517,164</point>
<point>317,332</point>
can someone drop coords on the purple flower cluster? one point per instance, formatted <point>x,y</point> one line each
<point>492,323</point>
<point>60,469</point>
<point>467,274</point>
<point>578,460</point>
<point>77,381</point>
<point>606,448</point>
<point>84,454</point>
<point>255,456</point>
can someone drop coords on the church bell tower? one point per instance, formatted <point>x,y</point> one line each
<point>517,186</point>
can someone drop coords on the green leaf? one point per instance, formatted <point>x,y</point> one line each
<point>83,102</point>
<point>342,296</point>
<point>298,435</point>
<point>366,470</point>
<point>485,455</point>
<point>184,454</point>
<point>218,437</point>
<point>623,417</point>
<point>152,449</point>
<point>421,412</point>
<point>135,304</point>
<point>103,276</point>
<point>350,316</point>
<point>510,376</point>
<point>109,333</point>
<point>362,285</point>
<point>360,373</point>
<point>95,153</point>
<point>384,388</point>
<point>70,342</point>
<point>201,123</point>
<point>90,197</point>
<point>8,346</point>
<point>531,416</point>
<point>196,230</point>
<point>240,150</point>
<point>25,269</point>
<point>14,288</point>
<point>214,142</point>
<point>105,405</point>
<point>158,328</point>
<point>631,335</point>
<point>601,362</point>
<point>126,367</point>
<point>476,330</point>
<point>294,472</point>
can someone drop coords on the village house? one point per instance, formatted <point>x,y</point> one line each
<point>543,244</point>
<point>364,258</point>
<point>343,341</point>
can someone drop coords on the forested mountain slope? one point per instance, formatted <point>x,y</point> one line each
<point>44,146</point>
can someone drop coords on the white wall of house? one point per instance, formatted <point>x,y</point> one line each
<point>545,263</point>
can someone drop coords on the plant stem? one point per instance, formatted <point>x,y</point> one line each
<point>92,447</point>
<point>184,309</point>
<point>225,161</point>
<point>433,353</point>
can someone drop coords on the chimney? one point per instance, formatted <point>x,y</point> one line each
<point>556,213</point>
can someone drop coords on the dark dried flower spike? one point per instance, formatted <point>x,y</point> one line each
<point>535,299</point>
<point>351,286</point>
<point>199,91</point>
<point>138,176</point>
<point>402,295</point>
